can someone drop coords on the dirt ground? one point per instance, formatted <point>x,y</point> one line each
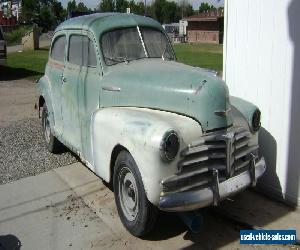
<point>17,100</point>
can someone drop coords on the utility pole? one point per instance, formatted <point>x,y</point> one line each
<point>145,7</point>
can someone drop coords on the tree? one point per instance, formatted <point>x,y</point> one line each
<point>137,8</point>
<point>30,11</point>
<point>204,7</point>
<point>82,8</point>
<point>72,6</point>
<point>58,11</point>
<point>106,6</point>
<point>158,6</point>
<point>121,5</point>
<point>186,8</point>
<point>46,19</point>
<point>171,12</point>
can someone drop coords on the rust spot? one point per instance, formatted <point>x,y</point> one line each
<point>200,87</point>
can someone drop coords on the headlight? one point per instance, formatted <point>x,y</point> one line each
<point>256,120</point>
<point>169,146</point>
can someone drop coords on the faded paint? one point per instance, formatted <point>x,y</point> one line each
<point>92,110</point>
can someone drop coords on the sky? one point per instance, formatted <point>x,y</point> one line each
<point>196,3</point>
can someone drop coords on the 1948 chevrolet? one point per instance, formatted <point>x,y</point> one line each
<point>167,136</point>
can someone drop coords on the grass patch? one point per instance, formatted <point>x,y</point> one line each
<point>200,55</point>
<point>32,63</point>
<point>26,64</point>
<point>15,37</point>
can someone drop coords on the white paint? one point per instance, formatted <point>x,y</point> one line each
<point>182,27</point>
<point>262,65</point>
<point>140,131</point>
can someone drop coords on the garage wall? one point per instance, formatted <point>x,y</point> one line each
<point>262,65</point>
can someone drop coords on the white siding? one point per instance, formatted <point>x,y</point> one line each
<point>262,65</point>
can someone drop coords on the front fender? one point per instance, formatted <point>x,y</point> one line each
<point>241,113</point>
<point>140,131</point>
<point>244,107</point>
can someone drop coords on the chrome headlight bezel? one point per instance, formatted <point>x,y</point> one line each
<point>169,146</point>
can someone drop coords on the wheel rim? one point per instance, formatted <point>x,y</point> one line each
<point>128,194</point>
<point>46,125</point>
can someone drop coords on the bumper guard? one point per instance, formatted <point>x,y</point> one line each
<point>191,200</point>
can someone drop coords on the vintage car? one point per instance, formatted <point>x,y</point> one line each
<point>2,48</point>
<point>167,136</point>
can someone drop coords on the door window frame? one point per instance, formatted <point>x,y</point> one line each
<point>57,36</point>
<point>98,66</point>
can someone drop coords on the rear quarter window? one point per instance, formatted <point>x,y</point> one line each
<point>58,48</point>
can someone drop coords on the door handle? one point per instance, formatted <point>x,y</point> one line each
<point>111,88</point>
<point>63,79</point>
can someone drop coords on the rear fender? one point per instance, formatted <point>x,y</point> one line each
<point>44,88</point>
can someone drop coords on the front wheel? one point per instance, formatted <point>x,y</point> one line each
<point>137,214</point>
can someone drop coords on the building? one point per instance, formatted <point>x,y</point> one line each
<point>206,27</point>
<point>9,12</point>
<point>172,29</point>
<point>262,65</point>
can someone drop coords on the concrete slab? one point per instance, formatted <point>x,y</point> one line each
<point>70,207</point>
<point>221,225</point>
<point>43,212</point>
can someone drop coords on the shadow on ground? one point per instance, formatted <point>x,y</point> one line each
<point>222,224</point>
<point>10,74</point>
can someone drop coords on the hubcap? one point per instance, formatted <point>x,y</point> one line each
<point>46,125</point>
<point>128,194</point>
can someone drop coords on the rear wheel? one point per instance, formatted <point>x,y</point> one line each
<point>137,214</point>
<point>53,145</point>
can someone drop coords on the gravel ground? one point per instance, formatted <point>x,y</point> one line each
<point>23,152</point>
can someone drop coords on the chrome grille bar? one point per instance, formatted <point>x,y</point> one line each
<point>227,151</point>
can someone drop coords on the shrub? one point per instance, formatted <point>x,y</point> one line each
<point>15,37</point>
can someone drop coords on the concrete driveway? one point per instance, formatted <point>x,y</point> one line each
<point>68,207</point>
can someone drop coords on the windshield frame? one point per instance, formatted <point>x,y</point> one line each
<point>137,27</point>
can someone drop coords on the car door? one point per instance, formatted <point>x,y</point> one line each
<point>55,69</point>
<point>70,84</point>
<point>89,93</point>
<point>80,92</point>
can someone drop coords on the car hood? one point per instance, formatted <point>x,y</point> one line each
<point>168,86</point>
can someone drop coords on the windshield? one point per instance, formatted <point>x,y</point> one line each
<point>125,45</point>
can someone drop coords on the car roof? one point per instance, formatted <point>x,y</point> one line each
<point>100,22</point>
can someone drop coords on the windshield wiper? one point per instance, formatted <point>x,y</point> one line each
<point>117,59</point>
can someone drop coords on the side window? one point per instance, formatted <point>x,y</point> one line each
<point>58,49</point>
<point>82,51</point>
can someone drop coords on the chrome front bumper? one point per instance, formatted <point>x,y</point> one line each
<point>191,200</point>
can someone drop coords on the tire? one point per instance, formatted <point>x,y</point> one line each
<point>137,214</point>
<point>52,143</point>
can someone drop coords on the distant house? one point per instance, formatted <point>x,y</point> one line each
<point>205,27</point>
<point>7,21</point>
<point>9,13</point>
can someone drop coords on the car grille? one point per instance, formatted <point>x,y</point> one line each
<point>226,151</point>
